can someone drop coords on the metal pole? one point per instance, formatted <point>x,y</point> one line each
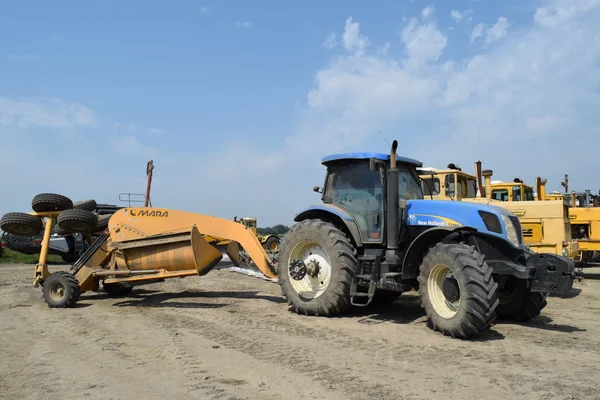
<point>149,168</point>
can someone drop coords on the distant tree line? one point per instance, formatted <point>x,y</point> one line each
<point>273,230</point>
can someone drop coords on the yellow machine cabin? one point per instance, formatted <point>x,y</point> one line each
<point>269,242</point>
<point>546,226</point>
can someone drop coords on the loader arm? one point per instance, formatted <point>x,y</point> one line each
<point>138,222</point>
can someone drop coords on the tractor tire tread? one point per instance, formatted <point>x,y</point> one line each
<point>88,205</point>
<point>72,285</point>
<point>89,219</point>
<point>480,299</point>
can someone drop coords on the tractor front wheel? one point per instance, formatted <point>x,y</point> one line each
<point>517,301</point>
<point>272,243</point>
<point>457,290</point>
<point>61,290</point>
<point>316,266</point>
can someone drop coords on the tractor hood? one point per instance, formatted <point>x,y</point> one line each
<point>493,220</point>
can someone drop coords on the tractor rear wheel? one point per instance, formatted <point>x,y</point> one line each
<point>324,288</point>
<point>457,290</point>
<point>50,202</point>
<point>61,289</point>
<point>517,301</point>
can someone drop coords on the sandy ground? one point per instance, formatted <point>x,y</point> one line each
<point>230,336</point>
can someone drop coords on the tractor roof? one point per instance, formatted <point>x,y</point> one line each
<point>366,156</point>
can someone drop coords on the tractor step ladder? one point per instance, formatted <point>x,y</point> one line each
<point>362,299</point>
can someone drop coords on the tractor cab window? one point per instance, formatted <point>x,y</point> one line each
<point>517,193</point>
<point>430,186</point>
<point>355,188</point>
<point>529,194</point>
<point>450,186</point>
<point>500,194</point>
<point>467,187</point>
<point>409,187</point>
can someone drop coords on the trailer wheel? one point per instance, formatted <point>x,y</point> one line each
<point>61,290</point>
<point>457,290</point>
<point>44,202</point>
<point>272,244</point>
<point>325,289</point>
<point>77,221</point>
<point>117,289</point>
<point>21,224</point>
<point>517,301</point>
<point>88,205</point>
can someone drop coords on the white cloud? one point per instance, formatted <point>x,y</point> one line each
<point>427,11</point>
<point>458,16</point>
<point>243,24</point>
<point>43,112</point>
<point>204,10</point>
<point>477,32</point>
<point>133,128</point>
<point>498,31</point>
<point>352,39</point>
<point>130,146</point>
<point>559,12</point>
<point>24,57</point>
<point>424,42</point>
<point>330,41</point>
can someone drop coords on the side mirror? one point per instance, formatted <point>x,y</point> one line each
<point>374,164</point>
<point>317,189</point>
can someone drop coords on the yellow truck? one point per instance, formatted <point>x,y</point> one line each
<point>546,226</point>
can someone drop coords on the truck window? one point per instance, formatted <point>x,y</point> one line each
<point>500,194</point>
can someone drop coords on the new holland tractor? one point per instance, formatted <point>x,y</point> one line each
<point>374,237</point>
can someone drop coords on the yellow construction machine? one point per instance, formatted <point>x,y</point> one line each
<point>141,245</point>
<point>584,215</point>
<point>270,242</point>
<point>545,225</point>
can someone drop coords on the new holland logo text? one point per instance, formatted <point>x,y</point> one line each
<point>147,213</point>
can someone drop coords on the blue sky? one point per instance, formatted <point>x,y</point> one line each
<point>237,101</point>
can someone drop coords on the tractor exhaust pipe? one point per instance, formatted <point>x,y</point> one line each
<point>487,174</point>
<point>482,190</point>
<point>393,208</point>
<point>587,198</point>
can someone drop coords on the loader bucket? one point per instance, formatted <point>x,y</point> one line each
<point>170,251</point>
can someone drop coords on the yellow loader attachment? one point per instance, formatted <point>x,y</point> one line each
<point>144,245</point>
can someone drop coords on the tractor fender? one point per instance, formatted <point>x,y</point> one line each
<point>335,215</point>
<point>422,243</point>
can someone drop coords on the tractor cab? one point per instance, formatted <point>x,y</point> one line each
<point>355,182</point>
<point>249,223</point>
<point>512,191</point>
<point>456,184</point>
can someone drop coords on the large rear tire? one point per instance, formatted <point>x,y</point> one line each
<point>61,290</point>
<point>21,224</point>
<point>518,302</point>
<point>326,291</point>
<point>45,202</point>
<point>457,290</point>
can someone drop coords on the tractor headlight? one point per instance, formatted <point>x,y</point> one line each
<point>511,232</point>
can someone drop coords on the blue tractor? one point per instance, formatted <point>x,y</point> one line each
<point>375,237</point>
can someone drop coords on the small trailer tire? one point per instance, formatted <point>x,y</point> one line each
<point>61,290</point>
<point>21,224</point>
<point>77,221</point>
<point>45,202</point>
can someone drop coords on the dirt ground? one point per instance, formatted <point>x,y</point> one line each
<point>230,336</point>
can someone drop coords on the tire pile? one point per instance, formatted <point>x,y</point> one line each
<point>78,217</point>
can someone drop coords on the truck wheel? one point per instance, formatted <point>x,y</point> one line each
<point>44,202</point>
<point>117,289</point>
<point>21,224</point>
<point>517,301</point>
<point>61,289</point>
<point>272,244</point>
<point>88,205</point>
<point>325,289</point>
<point>77,221</point>
<point>457,290</point>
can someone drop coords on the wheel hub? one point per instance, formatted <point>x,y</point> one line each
<point>450,289</point>
<point>298,270</point>
<point>312,268</point>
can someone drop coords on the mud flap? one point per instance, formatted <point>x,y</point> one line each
<point>551,273</point>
